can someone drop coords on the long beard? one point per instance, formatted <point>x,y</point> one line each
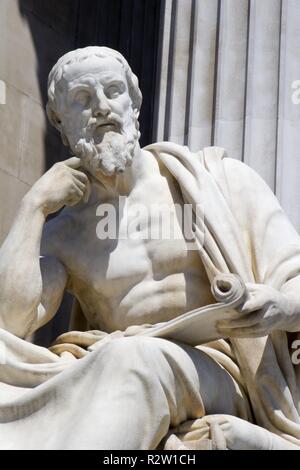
<point>110,154</point>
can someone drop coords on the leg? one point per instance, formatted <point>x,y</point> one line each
<point>142,386</point>
<point>124,395</point>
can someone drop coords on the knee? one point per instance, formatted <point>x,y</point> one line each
<point>131,354</point>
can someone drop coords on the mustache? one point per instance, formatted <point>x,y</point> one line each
<point>111,119</point>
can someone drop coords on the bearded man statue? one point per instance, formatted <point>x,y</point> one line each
<point>105,384</point>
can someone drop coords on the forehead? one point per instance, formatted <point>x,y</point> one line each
<point>98,68</point>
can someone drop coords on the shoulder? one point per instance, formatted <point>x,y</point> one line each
<point>243,175</point>
<point>217,162</point>
<point>234,169</point>
<point>219,156</point>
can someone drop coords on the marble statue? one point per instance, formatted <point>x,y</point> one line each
<point>103,384</point>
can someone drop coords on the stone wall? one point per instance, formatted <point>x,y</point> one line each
<point>33,36</point>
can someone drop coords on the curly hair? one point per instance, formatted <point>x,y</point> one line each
<point>79,55</point>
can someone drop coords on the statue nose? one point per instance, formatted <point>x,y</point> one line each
<point>101,105</point>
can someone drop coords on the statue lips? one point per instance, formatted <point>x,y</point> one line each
<point>103,128</point>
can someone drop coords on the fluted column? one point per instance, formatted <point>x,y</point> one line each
<point>227,70</point>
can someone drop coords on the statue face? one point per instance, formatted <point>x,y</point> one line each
<point>97,116</point>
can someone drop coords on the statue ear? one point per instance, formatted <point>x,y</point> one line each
<point>56,122</point>
<point>53,118</point>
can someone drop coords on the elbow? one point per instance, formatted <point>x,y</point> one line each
<point>17,320</point>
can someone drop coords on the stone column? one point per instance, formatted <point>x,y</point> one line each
<point>227,70</point>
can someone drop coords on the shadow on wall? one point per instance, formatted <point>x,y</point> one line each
<point>53,29</point>
<point>57,26</point>
<point>52,26</point>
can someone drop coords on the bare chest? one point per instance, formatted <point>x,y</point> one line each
<point>136,266</point>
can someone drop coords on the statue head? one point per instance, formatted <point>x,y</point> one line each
<point>94,101</point>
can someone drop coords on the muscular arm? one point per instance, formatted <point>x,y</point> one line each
<point>54,280</point>
<point>31,287</point>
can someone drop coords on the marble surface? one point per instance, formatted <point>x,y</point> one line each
<point>142,392</point>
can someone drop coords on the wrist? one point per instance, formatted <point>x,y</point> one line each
<point>32,203</point>
<point>291,313</point>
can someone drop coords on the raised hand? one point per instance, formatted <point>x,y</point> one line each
<point>64,184</point>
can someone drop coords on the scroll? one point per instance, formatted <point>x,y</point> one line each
<point>199,326</point>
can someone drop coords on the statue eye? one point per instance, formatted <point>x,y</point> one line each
<point>113,91</point>
<point>82,97</point>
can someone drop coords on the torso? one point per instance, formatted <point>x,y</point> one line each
<point>132,281</point>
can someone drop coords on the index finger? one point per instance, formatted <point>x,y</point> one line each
<point>253,304</point>
<point>73,162</point>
